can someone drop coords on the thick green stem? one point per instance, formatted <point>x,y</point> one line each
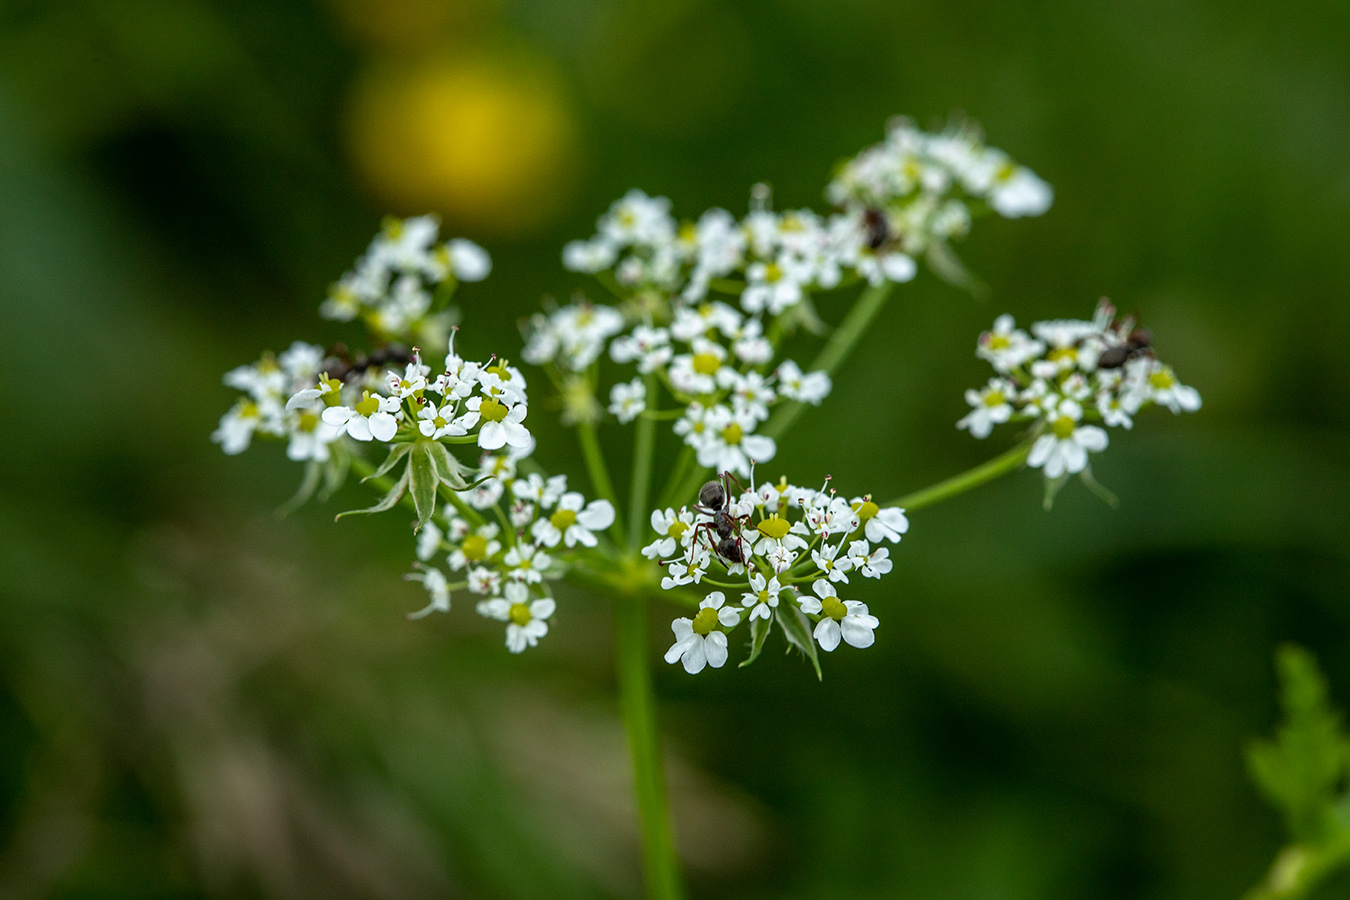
<point>638,703</point>
<point>971,478</point>
<point>644,445</point>
<point>835,351</point>
<point>599,472</point>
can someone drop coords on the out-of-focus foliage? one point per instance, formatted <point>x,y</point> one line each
<point>1303,773</point>
<point>199,700</point>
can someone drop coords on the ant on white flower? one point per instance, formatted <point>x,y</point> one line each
<point>712,501</point>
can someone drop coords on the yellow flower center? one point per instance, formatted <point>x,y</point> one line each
<point>773,527</point>
<point>308,422</point>
<point>677,529</point>
<point>764,596</point>
<point>563,519</point>
<point>439,422</point>
<point>475,547</point>
<point>688,232</point>
<point>999,342</point>
<point>772,273</point>
<point>520,614</point>
<point>994,398</point>
<point>833,607</point>
<point>867,510</point>
<point>705,621</point>
<point>248,410</point>
<point>706,364</point>
<point>368,406</point>
<point>1005,171</point>
<point>330,397</point>
<point>492,410</point>
<point>500,371</point>
<point>1161,380</point>
<point>1063,427</point>
<point>732,434</point>
<point>1060,353</point>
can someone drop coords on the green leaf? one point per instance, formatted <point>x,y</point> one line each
<point>1303,770</point>
<point>449,470</point>
<point>397,452</point>
<point>759,630</point>
<point>423,482</point>
<point>386,503</point>
<point>797,629</point>
<point>313,473</point>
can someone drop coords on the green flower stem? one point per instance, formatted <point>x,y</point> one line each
<point>638,703</point>
<point>599,472</point>
<point>971,478</point>
<point>835,351</point>
<point>644,446</point>
<point>677,476</point>
<point>1300,868</point>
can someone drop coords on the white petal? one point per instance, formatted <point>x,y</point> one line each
<point>715,648</point>
<point>695,656</point>
<point>856,632</point>
<point>383,426</point>
<point>491,436</point>
<point>597,516</point>
<point>827,634</point>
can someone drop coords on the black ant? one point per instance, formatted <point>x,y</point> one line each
<point>877,228</point>
<point>1138,343</point>
<point>343,365</point>
<point>712,501</point>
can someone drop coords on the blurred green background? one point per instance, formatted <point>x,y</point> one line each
<point>197,699</point>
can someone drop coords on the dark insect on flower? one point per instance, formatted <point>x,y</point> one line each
<point>878,228</point>
<point>712,499</point>
<point>1139,343</point>
<point>342,365</point>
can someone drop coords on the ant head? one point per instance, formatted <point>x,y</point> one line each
<point>713,495</point>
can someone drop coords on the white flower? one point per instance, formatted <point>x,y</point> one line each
<point>545,493</point>
<point>1017,192</point>
<point>690,569</point>
<point>991,407</point>
<point>774,286</point>
<point>527,563</point>
<point>847,618</point>
<point>525,620</point>
<point>469,261</point>
<point>1006,347</point>
<point>795,385</point>
<point>826,560</point>
<point>636,218</point>
<point>883,524</point>
<point>572,524</point>
<point>501,424</point>
<point>1064,449</point>
<point>429,541</point>
<point>729,442</point>
<point>236,428</point>
<point>762,597</point>
<point>439,589</point>
<point>589,256</point>
<point>483,580</point>
<point>674,530</point>
<point>698,642</point>
<point>649,347</point>
<point>627,401</point>
<point>869,563</point>
<point>372,417</point>
<point>1165,390</point>
<point>701,371</point>
<point>476,547</point>
<point>437,423</point>
<point>776,532</point>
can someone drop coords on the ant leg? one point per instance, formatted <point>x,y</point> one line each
<point>728,476</point>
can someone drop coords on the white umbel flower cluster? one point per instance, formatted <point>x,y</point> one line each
<point>486,399</point>
<point>712,360</point>
<point>508,568</point>
<point>895,200</point>
<point>1065,377</point>
<point>268,384</point>
<point>401,286</point>
<point>790,550</point>
<point>920,187</point>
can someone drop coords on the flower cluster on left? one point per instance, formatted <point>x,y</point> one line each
<point>331,406</point>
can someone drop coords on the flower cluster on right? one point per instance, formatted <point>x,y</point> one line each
<point>772,540</point>
<point>1064,376</point>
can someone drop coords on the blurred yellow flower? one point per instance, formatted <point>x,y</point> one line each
<point>489,142</point>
